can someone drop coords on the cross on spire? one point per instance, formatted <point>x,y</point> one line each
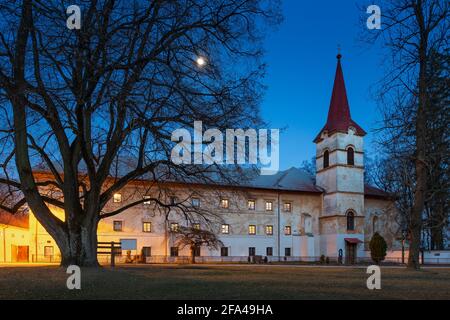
<point>339,55</point>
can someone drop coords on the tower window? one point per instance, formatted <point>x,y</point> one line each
<point>350,156</point>
<point>326,159</point>
<point>350,221</point>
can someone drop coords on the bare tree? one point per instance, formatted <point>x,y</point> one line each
<point>412,29</point>
<point>193,238</point>
<point>97,106</point>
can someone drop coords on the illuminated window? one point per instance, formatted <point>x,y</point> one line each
<point>252,229</point>
<point>287,252</point>
<point>350,157</point>
<point>287,206</point>
<point>146,226</point>
<point>48,251</point>
<point>117,225</point>
<point>269,251</point>
<point>224,203</point>
<point>147,200</point>
<point>117,197</point>
<point>326,159</point>
<point>350,221</point>
<point>174,227</point>
<point>225,229</point>
<point>196,226</point>
<point>251,204</point>
<point>195,202</point>
<point>174,251</point>
<point>269,230</point>
<point>269,205</point>
<point>287,230</point>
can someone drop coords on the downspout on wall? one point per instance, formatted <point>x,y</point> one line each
<point>279,231</point>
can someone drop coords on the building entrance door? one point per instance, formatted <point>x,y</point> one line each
<point>350,250</point>
<point>22,253</point>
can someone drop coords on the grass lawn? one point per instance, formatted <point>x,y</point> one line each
<point>222,282</point>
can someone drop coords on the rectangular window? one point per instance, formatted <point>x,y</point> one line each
<point>251,204</point>
<point>174,227</point>
<point>224,203</point>
<point>197,251</point>
<point>196,226</point>
<point>117,197</point>
<point>287,206</point>
<point>251,251</point>
<point>147,251</point>
<point>225,229</point>
<point>147,201</point>
<point>287,252</point>
<point>252,229</point>
<point>48,251</point>
<point>117,225</point>
<point>269,230</point>
<point>224,252</point>
<point>174,251</point>
<point>269,205</point>
<point>195,202</point>
<point>146,227</point>
<point>269,251</point>
<point>287,230</point>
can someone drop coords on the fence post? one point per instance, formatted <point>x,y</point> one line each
<point>113,255</point>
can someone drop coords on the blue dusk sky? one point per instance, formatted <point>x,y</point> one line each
<point>301,57</point>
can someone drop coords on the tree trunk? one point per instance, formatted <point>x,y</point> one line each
<point>421,134</point>
<point>193,255</point>
<point>79,247</point>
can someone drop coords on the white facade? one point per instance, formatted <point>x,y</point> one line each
<point>335,216</point>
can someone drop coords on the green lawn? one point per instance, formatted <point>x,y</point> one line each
<point>222,282</point>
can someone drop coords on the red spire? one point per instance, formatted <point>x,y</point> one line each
<point>339,119</point>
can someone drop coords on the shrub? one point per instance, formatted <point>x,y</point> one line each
<point>322,259</point>
<point>378,248</point>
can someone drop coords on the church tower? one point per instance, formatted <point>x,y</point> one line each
<point>340,172</point>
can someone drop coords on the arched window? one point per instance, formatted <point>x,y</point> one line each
<point>374,224</point>
<point>350,220</point>
<point>350,156</point>
<point>326,159</point>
